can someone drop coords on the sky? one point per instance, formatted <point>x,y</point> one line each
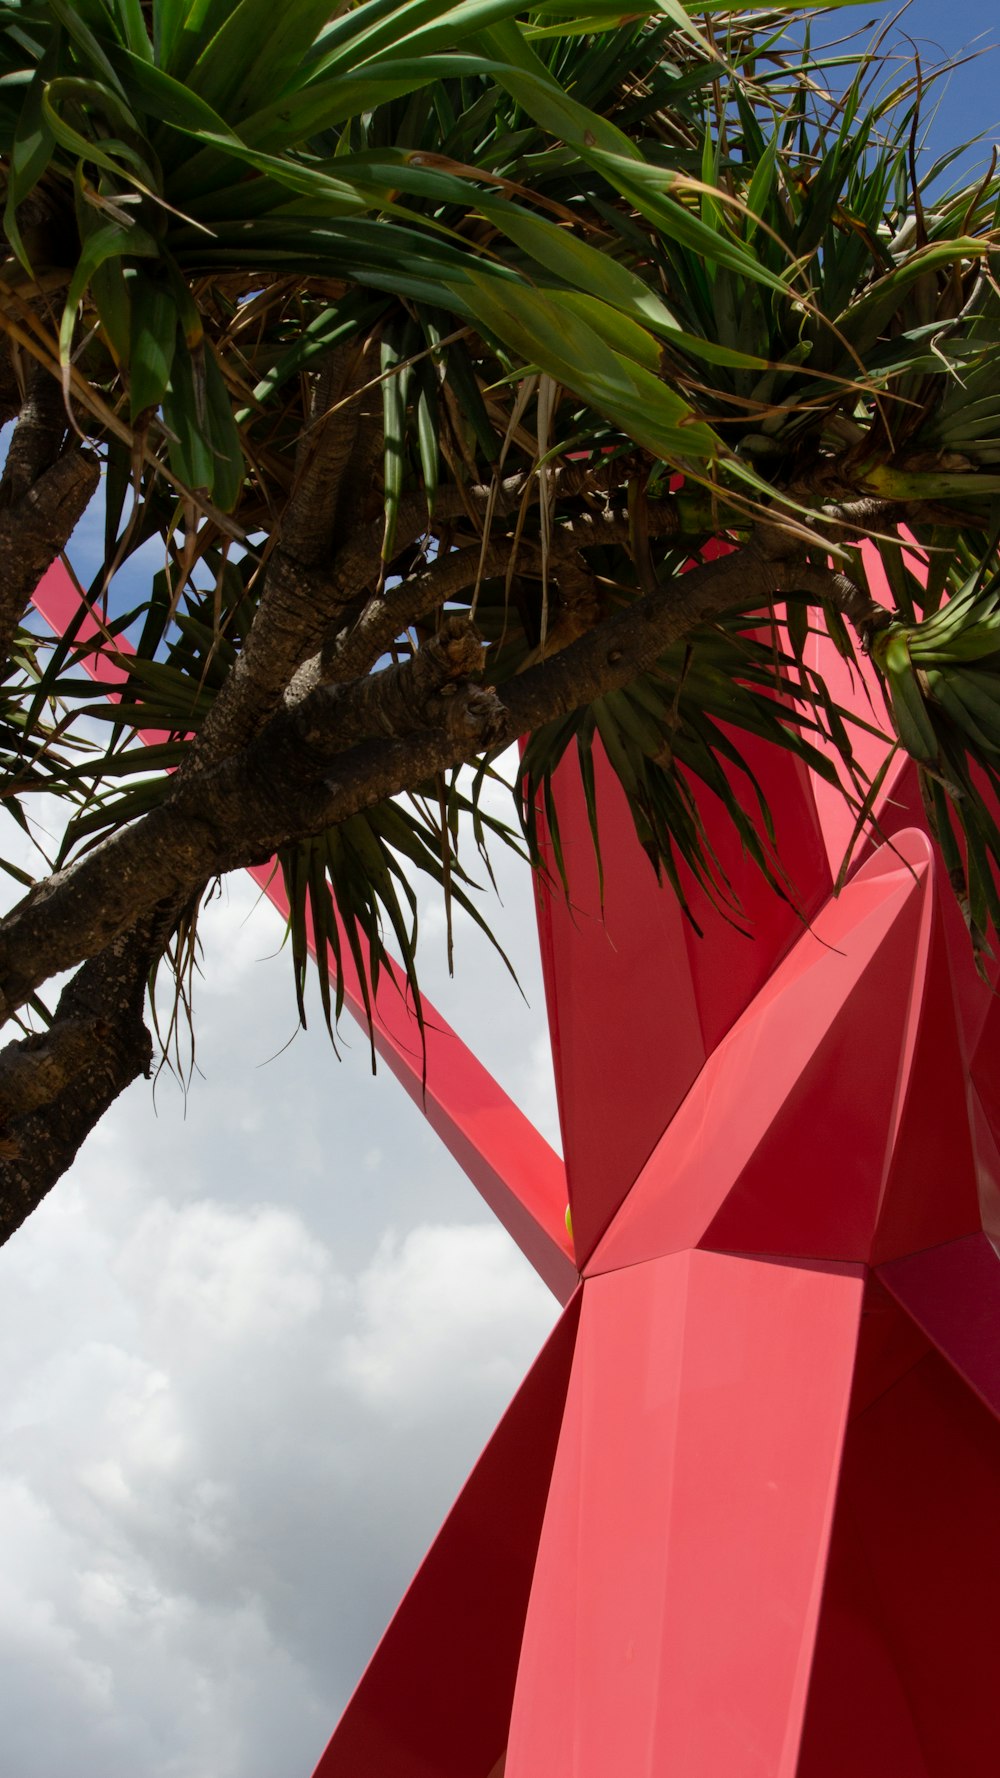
<point>253,1343</point>
<point>966,102</point>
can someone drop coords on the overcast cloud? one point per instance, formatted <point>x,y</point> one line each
<point>251,1347</point>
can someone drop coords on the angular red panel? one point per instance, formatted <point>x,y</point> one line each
<point>930,1193</point>
<point>435,1699</point>
<point>904,1684</point>
<point>813,1183</point>
<point>626,1036</point>
<point>889,1345</point>
<point>729,965</point>
<point>636,998</point>
<point>855,687</point>
<point>797,1137</point>
<point>987,1151</point>
<point>899,805</point>
<point>986,1064</point>
<point>952,1293</point>
<point>780,1145</point>
<point>974,981</point>
<point>675,1596</point>
<point>859,1723</point>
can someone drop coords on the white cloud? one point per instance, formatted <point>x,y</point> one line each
<point>252,1345</point>
<point>436,1312</point>
<point>210,1274</point>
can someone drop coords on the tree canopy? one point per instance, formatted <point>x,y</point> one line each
<point>439,344</point>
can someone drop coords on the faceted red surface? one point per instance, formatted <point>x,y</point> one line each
<point>681,1563</point>
<point>742,1522</point>
<point>905,1672</point>
<point>686,991</point>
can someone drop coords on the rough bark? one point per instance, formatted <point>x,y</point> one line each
<point>56,1085</point>
<point>45,489</point>
<point>300,596</point>
<point>307,769</point>
<point>305,732</point>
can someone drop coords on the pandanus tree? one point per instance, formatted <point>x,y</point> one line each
<point>440,344</point>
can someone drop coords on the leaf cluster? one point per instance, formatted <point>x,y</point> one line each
<point>571,295</point>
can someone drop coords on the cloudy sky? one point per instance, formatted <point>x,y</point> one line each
<point>251,1347</point>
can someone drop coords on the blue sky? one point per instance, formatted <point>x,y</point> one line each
<point>967,101</point>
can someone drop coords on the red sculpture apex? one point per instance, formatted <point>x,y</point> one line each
<point>740,1521</point>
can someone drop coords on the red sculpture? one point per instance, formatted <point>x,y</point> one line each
<point>740,1520</point>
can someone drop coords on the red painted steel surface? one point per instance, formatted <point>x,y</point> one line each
<point>624,1059</point>
<point>797,1138</point>
<point>752,1159</point>
<point>950,1293</point>
<point>681,1563</point>
<point>904,1681</point>
<point>742,1523</point>
<point>855,686</point>
<point>806,1094</point>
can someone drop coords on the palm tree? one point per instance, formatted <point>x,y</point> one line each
<point>443,346</point>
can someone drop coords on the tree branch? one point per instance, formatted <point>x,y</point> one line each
<point>54,1087</point>
<point>299,596</point>
<point>297,777</point>
<point>402,699</point>
<point>43,495</point>
<point>353,651</point>
<point>38,436</point>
